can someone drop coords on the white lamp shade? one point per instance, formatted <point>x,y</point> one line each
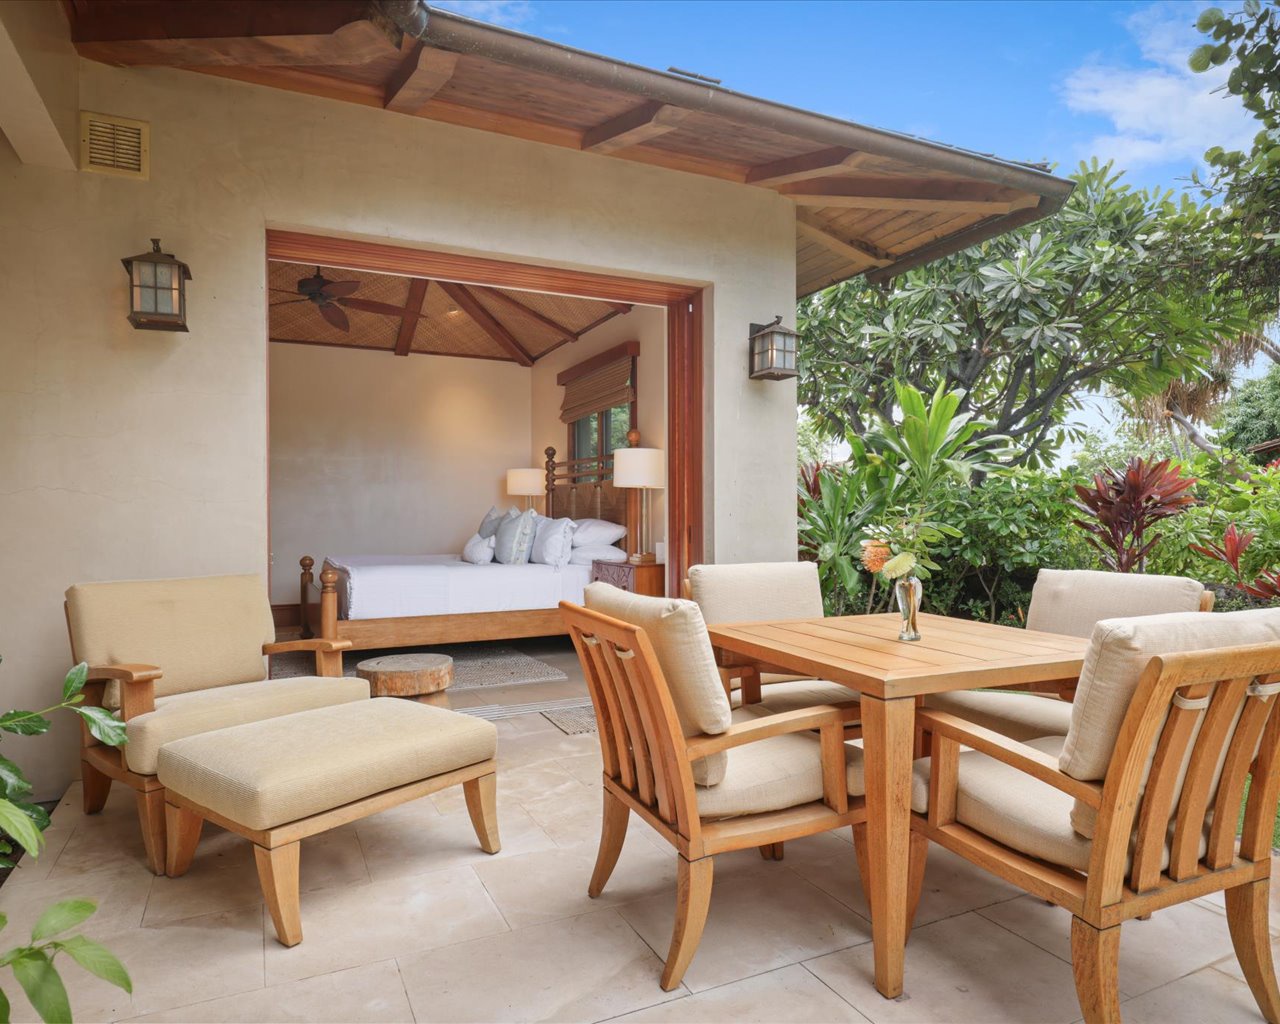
<point>526,481</point>
<point>640,467</point>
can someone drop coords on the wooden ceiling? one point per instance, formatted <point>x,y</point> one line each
<point>867,201</point>
<point>411,315</point>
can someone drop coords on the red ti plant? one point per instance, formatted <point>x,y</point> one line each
<point>1234,543</point>
<point>1122,508</point>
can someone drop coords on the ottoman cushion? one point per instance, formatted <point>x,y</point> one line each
<point>268,773</point>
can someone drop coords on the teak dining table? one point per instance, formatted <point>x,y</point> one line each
<point>864,653</point>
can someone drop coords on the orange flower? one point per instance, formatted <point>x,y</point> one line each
<point>874,554</point>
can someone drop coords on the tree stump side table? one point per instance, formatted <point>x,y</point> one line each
<point>422,676</point>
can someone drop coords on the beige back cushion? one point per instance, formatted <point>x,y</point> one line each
<point>754,591</point>
<point>1119,651</point>
<point>679,637</point>
<point>1071,601</point>
<point>201,632</point>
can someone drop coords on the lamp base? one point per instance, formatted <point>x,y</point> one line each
<point>643,558</point>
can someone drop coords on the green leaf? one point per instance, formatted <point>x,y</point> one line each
<point>1208,18</point>
<point>1201,58</point>
<point>103,725</point>
<point>61,916</point>
<point>4,1008</point>
<point>899,565</point>
<point>97,960</point>
<point>11,778</point>
<point>75,681</point>
<point>40,981</point>
<point>24,723</point>
<point>20,828</point>
<point>38,815</point>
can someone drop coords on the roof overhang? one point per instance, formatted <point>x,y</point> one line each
<point>868,201</point>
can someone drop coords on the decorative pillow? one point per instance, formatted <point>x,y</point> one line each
<point>478,550</point>
<point>514,539</point>
<point>597,553</point>
<point>552,542</point>
<point>593,532</point>
<point>493,518</point>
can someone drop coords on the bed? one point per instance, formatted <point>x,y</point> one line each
<point>412,600</point>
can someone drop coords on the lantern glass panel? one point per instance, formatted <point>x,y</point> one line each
<point>148,300</point>
<point>164,301</point>
<point>147,270</point>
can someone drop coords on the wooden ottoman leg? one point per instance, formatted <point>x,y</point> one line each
<point>151,818</point>
<point>278,873</point>
<point>482,805</point>
<point>183,827</point>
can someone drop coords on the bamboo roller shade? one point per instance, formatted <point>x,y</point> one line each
<point>601,389</point>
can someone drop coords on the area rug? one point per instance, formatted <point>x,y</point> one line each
<point>574,721</point>
<point>474,666</point>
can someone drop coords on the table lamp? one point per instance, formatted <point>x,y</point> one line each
<point>645,468</point>
<point>528,482</point>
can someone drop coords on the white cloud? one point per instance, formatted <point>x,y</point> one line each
<point>507,13</point>
<point>1161,111</point>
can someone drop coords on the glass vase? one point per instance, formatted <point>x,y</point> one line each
<point>909,592</point>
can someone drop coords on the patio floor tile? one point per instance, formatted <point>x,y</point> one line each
<point>1176,941</point>
<point>372,994</point>
<point>582,969</point>
<point>788,994</point>
<point>961,970</point>
<point>120,891</point>
<point>1205,997</point>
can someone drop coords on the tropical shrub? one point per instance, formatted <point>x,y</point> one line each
<point>1121,508</point>
<point>1252,415</point>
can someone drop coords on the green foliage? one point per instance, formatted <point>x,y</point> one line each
<point>22,822</point>
<point>1121,506</point>
<point>1120,289</point>
<point>1252,415</point>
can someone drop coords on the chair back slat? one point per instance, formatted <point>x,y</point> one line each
<point>1197,788</point>
<point>1231,781</point>
<point>1157,799</point>
<point>1264,789</point>
<point>637,717</point>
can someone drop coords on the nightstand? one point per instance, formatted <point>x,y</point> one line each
<point>648,579</point>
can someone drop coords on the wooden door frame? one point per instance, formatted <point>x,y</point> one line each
<point>684,305</point>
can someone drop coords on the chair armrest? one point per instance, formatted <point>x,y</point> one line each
<point>1017,755</point>
<point>124,673</point>
<point>803,720</point>
<point>318,645</point>
<point>137,687</point>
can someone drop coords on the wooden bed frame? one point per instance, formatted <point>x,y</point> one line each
<point>576,488</point>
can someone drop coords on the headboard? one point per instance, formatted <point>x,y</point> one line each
<point>583,489</point>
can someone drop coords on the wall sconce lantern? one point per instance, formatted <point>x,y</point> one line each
<point>774,352</point>
<point>157,290</point>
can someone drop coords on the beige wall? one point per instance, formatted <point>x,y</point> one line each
<point>126,453</point>
<point>648,326</point>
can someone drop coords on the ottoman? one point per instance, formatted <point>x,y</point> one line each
<point>278,781</point>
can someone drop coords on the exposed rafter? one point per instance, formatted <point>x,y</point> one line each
<point>412,311</point>
<point>850,248</point>
<point>803,167</point>
<point>645,122</point>
<point>883,193</point>
<point>422,74</point>
<point>470,305</point>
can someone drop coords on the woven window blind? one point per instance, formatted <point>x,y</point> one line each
<point>598,390</point>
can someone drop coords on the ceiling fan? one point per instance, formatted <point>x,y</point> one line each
<point>329,296</point>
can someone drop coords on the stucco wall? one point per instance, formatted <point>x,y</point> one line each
<point>126,453</point>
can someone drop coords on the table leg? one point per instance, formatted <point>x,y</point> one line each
<point>888,734</point>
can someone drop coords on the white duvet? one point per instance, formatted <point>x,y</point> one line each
<point>395,586</point>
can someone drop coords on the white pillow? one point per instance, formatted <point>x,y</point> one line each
<point>553,543</point>
<point>514,539</point>
<point>493,519</point>
<point>597,553</point>
<point>478,550</point>
<point>597,532</point>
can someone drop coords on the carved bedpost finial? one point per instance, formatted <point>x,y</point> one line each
<point>329,581</point>
<point>550,486</point>
<point>633,439</point>
<point>306,561</point>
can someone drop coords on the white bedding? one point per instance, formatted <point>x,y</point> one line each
<point>395,586</point>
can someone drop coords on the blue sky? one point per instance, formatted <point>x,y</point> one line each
<point>1057,81</point>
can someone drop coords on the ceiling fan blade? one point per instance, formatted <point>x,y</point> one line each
<point>339,289</point>
<point>335,316</point>
<point>373,307</point>
<point>288,302</point>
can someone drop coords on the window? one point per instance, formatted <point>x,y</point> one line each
<point>612,425</point>
<point>599,406</point>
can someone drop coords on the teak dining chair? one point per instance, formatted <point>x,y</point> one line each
<point>1157,825</point>
<point>649,765</point>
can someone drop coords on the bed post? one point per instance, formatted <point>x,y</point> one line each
<point>304,594</point>
<point>550,466</point>
<point>329,604</point>
<point>633,500</point>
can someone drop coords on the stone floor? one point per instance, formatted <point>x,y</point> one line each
<point>406,919</point>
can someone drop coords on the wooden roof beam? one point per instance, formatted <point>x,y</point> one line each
<point>803,167</point>
<point>925,194</point>
<point>856,249</point>
<point>470,305</point>
<point>638,125</point>
<point>422,74</point>
<point>412,311</point>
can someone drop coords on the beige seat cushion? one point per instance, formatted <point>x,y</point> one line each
<point>268,773</point>
<point>755,591</point>
<point>1119,652</point>
<point>1071,601</point>
<point>805,693</point>
<point>201,632</point>
<point>679,637</point>
<point>1020,716</point>
<point>189,714</point>
<point>769,775</point>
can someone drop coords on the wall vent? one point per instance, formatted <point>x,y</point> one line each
<point>115,145</point>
